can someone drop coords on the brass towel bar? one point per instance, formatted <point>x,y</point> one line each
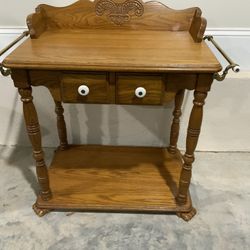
<point>6,72</point>
<point>232,65</point>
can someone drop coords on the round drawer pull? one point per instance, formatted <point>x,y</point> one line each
<point>83,90</point>
<point>140,92</point>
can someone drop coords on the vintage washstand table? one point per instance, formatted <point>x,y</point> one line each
<point>119,53</point>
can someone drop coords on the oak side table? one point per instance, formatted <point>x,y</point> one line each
<point>114,52</point>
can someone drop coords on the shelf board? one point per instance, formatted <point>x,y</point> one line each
<point>121,179</point>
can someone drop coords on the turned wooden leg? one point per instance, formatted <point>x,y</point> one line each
<point>176,122</point>
<point>40,211</point>
<point>191,142</point>
<point>33,130</point>
<point>61,126</point>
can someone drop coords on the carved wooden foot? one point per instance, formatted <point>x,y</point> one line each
<point>187,216</point>
<point>40,211</point>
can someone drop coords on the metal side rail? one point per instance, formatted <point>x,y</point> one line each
<point>232,65</point>
<point>7,72</point>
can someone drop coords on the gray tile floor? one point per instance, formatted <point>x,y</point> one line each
<point>220,190</point>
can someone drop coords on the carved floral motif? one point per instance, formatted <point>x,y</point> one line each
<point>119,13</point>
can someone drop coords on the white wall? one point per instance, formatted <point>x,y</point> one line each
<point>221,13</point>
<point>226,116</point>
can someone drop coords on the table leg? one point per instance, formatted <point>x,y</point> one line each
<point>33,130</point>
<point>191,142</point>
<point>61,126</point>
<point>176,122</point>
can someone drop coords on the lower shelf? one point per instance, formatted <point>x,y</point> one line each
<point>122,179</point>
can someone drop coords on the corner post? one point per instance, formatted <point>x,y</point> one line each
<point>33,130</point>
<point>193,132</point>
<point>191,142</point>
<point>175,128</point>
<point>61,126</point>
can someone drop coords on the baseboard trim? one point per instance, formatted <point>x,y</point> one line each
<point>241,75</point>
<point>211,31</point>
<point>12,30</point>
<point>228,32</point>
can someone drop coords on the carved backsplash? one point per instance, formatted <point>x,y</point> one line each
<point>119,13</point>
<point>113,14</point>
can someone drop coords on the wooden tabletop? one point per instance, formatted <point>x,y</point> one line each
<point>114,50</point>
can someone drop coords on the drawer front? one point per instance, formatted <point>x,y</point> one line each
<point>140,90</point>
<point>85,88</point>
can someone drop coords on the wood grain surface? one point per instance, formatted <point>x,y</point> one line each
<point>97,84</point>
<point>114,50</point>
<point>115,178</point>
<point>127,84</point>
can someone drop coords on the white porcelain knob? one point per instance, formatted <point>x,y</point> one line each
<point>140,92</point>
<point>83,90</point>
<point>236,68</point>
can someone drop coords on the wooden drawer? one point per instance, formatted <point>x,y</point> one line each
<point>85,88</point>
<point>130,89</point>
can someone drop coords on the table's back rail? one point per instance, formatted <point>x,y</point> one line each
<point>114,14</point>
